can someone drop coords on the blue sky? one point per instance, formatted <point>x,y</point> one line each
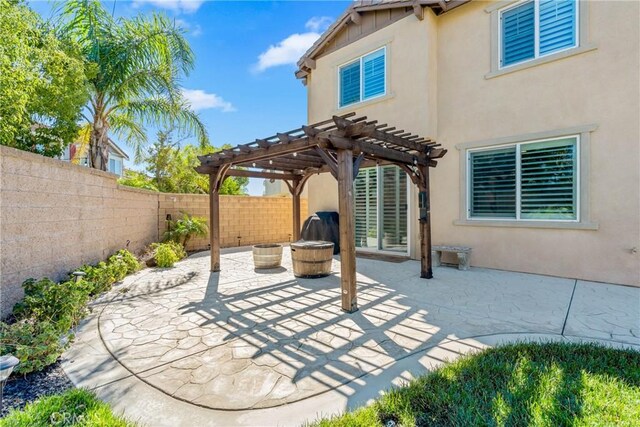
<point>243,85</point>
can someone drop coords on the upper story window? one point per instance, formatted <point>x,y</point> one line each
<point>115,166</point>
<point>363,78</point>
<point>534,28</point>
<point>524,181</point>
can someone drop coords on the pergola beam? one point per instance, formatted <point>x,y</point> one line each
<point>261,174</point>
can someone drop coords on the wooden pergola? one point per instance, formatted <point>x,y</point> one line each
<point>340,146</point>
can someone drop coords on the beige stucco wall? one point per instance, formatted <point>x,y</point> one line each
<point>599,87</point>
<point>56,216</point>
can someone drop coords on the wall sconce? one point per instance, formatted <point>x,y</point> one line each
<point>168,217</point>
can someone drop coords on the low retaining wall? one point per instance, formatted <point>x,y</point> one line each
<point>56,216</point>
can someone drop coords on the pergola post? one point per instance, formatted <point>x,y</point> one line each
<point>295,197</point>
<point>426,271</point>
<point>347,231</point>
<point>214,219</point>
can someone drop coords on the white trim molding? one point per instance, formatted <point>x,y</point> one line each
<point>584,220</point>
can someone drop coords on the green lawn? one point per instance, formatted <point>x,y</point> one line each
<point>73,408</point>
<point>549,384</point>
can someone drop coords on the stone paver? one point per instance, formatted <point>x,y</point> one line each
<point>251,341</point>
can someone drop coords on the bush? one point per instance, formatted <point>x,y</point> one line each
<point>183,229</point>
<point>165,256</point>
<point>105,274</point>
<point>63,304</point>
<point>36,343</point>
<point>100,276</point>
<point>176,247</point>
<point>130,260</point>
<point>49,310</point>
<point>73,407</point>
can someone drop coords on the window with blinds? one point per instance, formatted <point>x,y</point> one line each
<point>528,181</point>
<point>366,208</point>
<point>393,209</point>
<point>380,209</point>
<point>536,28</point>
<point>493,183</point>
<point>363,79</point>
<point>350,83</point>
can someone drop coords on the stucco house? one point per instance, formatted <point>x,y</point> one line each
<point>115,161</point>
<point>537,102</point>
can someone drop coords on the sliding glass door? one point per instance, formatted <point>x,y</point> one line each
<point>381,209</point>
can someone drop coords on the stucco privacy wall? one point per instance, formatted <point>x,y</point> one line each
<point>243,220</point>
<point>438,88</point>
<point>56,216</point>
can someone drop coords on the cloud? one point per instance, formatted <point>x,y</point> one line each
<point>289,50</point>
<point>318,23</point>
<point>193,30</point>
<point>180,6</point>
<point>200,100</point>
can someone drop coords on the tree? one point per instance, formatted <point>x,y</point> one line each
<point>170,168</point>
<point>139,62</point>
<point>43,83</point>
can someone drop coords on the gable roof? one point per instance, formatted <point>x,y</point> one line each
<point>352,15</point>
<point>116,149</point>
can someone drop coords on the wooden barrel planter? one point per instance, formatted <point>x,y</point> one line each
<point>311,258</point>
<point>267,256</point>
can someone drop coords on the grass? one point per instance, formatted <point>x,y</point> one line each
<point>551,384</point>
<point>75,407</point>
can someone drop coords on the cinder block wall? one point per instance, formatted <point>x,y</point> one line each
<point>56,216</point>
<point>244,220</point>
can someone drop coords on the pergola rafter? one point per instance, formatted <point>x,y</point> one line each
<point>341,146</point>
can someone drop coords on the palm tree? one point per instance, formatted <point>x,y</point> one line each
<point>135,65</point>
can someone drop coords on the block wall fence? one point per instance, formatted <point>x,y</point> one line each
<point>56,216</point>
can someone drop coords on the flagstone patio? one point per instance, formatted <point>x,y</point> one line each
<point>183,345</point>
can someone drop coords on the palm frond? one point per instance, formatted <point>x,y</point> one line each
<point>131,131</point>
<point>170,115</point>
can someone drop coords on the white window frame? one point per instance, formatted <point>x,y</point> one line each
<point>536,32</point>
<point>518,147</point>
<point>360,59</point>
<point>116,161</point>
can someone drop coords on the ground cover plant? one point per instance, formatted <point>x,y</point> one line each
<point>551,384</point>
<point>46,315</point>
<point>75,407</point>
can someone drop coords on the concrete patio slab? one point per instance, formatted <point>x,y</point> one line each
<point>183,346</point>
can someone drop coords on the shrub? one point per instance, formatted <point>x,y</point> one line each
<point>165,256</point>
<point>63,304</point>
<point>176,247</point>
<point>100,276</point>
<point>130,260</point>
<point>183,229</point>
<point>105,274</point>
<point>74,407</point>
<point>36,343</point>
